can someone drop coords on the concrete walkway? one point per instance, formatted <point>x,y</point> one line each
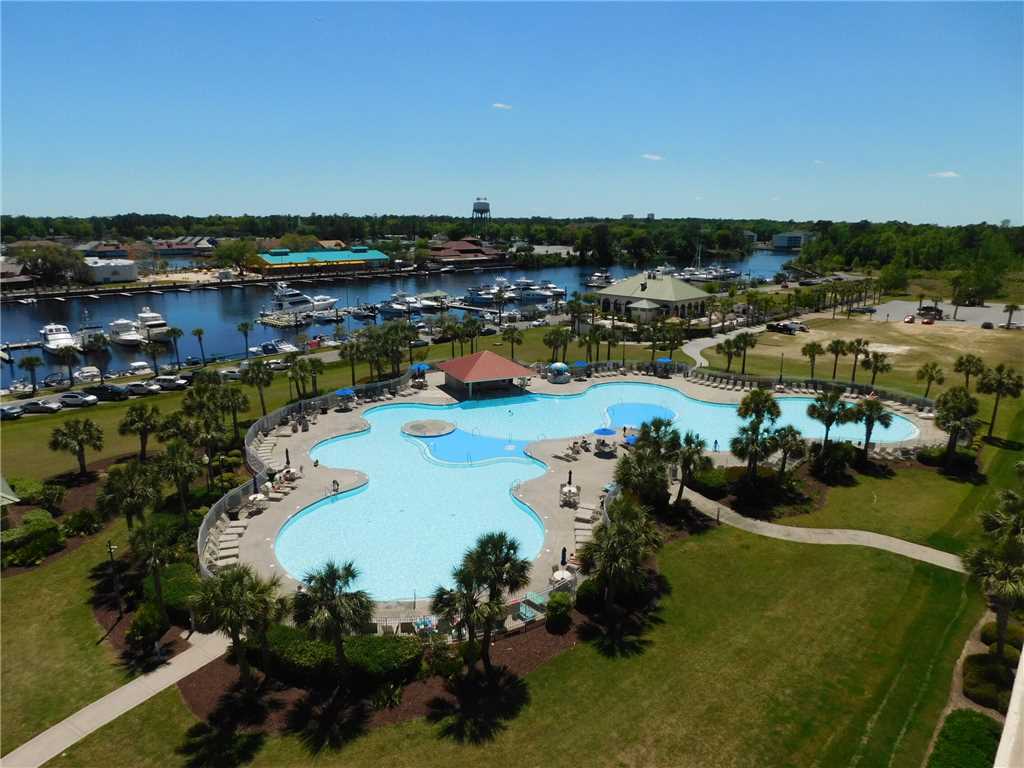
<point>720,512</point>
<point>53,741</point>
<point>694,347</point>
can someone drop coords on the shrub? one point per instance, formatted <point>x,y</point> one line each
<point>51,498</point>
<point>36,537</point>
<point>968,739</point>
<point>987,681</point>
<point>235,453</point>
<point>963,462</point>
<point>1014,634</point>
<point>589,597</point>
<point>712,483</point>
<point>295,657</point>
<point>148,626</point>
<point>179,582</point>
<point>27,489</point>
<point>387,696</point>
<point>558,613</point>
<point>82,523</point>
<point>380,659</point>
<point>442,659</point>
<point>829,463</point>
<point>1010,654</point>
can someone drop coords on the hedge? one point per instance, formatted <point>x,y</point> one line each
<point>82,523</point>
<point>1014,634</point>
<point>295,657</point>
<point>179,582</point>
<point>36,537</point>
<point>557,612</point>
<point>379,659</point>
<point>589,597</point>
<point>963,463</point>
<point>988,681</point>
<point>712,483</point>
<point>1010,654</point>
<point>968,739</point>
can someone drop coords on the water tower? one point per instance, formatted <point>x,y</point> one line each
<point>481,214</point>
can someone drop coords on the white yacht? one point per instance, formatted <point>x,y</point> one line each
<point>531,292</point>
<point>599,280</point>
<point>555,290</point>
<point>125,333</point>
<point>292,301</point>
<point>57,337</point>
<point>139,368</point>
<point>152,326</point>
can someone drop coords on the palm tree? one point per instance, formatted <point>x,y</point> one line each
<point>955,410</point>
<point>611,339</point>
<point>140,419</point>
<point>552,339</point>
<point>660,436</point>
<point>691,460</point>
<point>267,608</point>
<point>74,436</point>
<point>616,554</point>
<point>788,442</point>
<point>857,348</point>
<point>471,329</point>
<point>174,334</point>
<point>198,333</point>
<point>932,374</point>
<point>512,336</point>
<point>830,409</point>
<point>812,350</point>
<point>244,328</point>
<point>352,351</point>
<point>30,363</point>
<point>836,348</point>
<point>759,405</point>
<point>744,342</point>
<point>180,465</point>
<point>316,368</point>
<point>228,602</point>
<point>654,336</point>
<point>593,338</point>
<point>153,349</point>
<point>459,605</point>
<point>495,565</point>
<point>68,356</point>
<point>1009,309</point>
<point>727,347</point>
<point>152,547</point>
<point>260,375</point>
<point>329,608</point>
<point>752,443</point>
<point>998,566</point>
<point>969,365</point>
<point>449,328</point>
<point>876,362</point>
<point>233,399</point>
<point>870,411</point>
<point>129,490</point>
<point>1001,381</point>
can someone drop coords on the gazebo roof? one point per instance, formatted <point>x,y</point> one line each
<point>483,366</point>
<point>645,304</point>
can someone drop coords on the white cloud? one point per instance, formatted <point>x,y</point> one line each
<point>819,162</point>
<point>945,175</point>
<point>652,156</point>
<point>500,105</point>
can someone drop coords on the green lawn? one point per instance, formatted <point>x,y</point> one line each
<point>53,663</point>
<point>769,653</point>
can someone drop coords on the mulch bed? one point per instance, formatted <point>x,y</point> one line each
<point>171,643</point>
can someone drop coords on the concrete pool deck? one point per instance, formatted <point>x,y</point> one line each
<point>590,472</point>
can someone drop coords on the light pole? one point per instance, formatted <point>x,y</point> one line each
<point>782,360</point>
<point>111,549</point>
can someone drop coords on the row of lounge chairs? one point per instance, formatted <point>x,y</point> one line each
<point>722,382</point>
<point>223,543</point>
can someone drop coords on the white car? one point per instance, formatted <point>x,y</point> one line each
<point>41,406</point>
<point>77,399</point>
<point>170,382</point>
<point>539,323</point>
<point>142,388</point>
<point>278,365</point>
<point>230,374</point>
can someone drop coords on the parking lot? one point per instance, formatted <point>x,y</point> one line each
<point>993,313</point>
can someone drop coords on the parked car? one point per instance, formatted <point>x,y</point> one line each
<point>781,328</point>
<point>419,343</point>
<point>987,325</point>
<point>910,319</point>
<point>41,406</point>
<point>278,365</point>
<point>170,382</point>
<point>107,391</point>
<point>928,321</point>
<point>230,374</point>
<point>142,388</point>
<point>77,399</point>
<point>863,310</point>
<point>540,323</point>
<point>488,331</point>
<point>193,360</point>
<point>10,412</point>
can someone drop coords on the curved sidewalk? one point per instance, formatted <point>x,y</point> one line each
<point>694,347</point>
<point>848,537</point>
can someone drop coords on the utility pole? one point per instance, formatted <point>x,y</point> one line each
<point>111,549</point>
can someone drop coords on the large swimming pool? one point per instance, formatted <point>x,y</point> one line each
<point>428,499</point>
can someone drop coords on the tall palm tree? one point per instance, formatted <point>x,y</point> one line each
<point>812,350</point>
<point>30,363</point>
<point>611,339</point>
<point>836,348</point>
<point>98,345</point>
<point>1009,309</point>
<point>552,339</point>
<point>998,566</point>
<point>260,375</point>
<point>234,400</point>
<point>74,436</point>
<point>870,411</point>
<point>745,341</point>
<point>174,334</point>
<point>154,349</point>
<point>180,464</point>
<point>129,491</point>
<point>198,333</point>
<point>352,351</point>
<point>969,365</point>
<point>830,409</point>
<point>691,460</point>
<point>660,436</point>
<point>512,336</point>
<point>228,602</point>
<point>459,605</point>
<point>152,547</point>
<point>857,348</point>
<point>616,554</point>
<point>955,411</point>
<point>244,328</point>
<point>67,356</point>
<point>932,373</point>
<point>727,347</point>
<point>593,338</point>
<point>788,442</point>
<point>449,328</point>
<point>758,405</point>
<point>1001,381</point>
<point>141,419</point>
<point>653,337</point>
<point>876,362</point>
<point>316,368</point>
<point>267,608</point>
<point>329,608</point>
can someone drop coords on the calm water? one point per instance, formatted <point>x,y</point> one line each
<point>220,312</point>
<point>428,499</point>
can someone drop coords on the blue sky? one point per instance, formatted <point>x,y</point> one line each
<point>840,111</point>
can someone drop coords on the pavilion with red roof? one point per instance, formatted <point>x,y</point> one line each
<point>481,370</point>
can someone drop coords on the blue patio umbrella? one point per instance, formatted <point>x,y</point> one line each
<point>631,440</point>
<point>581,364</point>
<point>604,431</point>
<point>346,392</point>
<point>664,360</point>
<point>420,368</point>
<point>558,368</point>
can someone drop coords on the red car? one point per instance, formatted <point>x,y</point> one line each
<point>928,321</point>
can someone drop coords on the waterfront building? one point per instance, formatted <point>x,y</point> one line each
<point>184,246</point>
<point>652,295</point>
<point>99,270</point>
<point>791,240</point>
<point>104,249</point>
<point>283,262</point>
<point>470,251</point>
<point>332,245</point>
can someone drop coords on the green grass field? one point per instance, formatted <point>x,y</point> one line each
<point>768,653</point>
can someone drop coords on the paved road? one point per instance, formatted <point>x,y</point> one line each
<point>694,347</point>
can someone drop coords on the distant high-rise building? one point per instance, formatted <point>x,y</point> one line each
<point>650,217</point>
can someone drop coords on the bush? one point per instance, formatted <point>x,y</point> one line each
<point>589,597</point>
<point>968,739</point>
<point>235,453</point>
<point>1010,654</point>
<point>148,626</point>
<point>558,613</point>
<point>51,498</point>
<point>179,582</point>
<point>295,657</point>
<point>1014,634</point>
<point>82,523</point>
<point>987,681</point>
<point>829,463</point>
<point>712,483</point>
<point>380,659</point>
<point>26,489</point>
<point>36,537</point>
<point>441,659</point>
<point>963,462</point>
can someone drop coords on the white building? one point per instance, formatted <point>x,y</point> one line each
<point>110,270</point>
<point>791,239</point>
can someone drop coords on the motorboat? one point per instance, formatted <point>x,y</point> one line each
<point>125,333</point>
<point>447,268</point>
<point>599,280</point>
<point>284,346</point>
<point>554,290</point>
<point>57,337</point>
<point>289,300</point>
<point>364,312</point>
<point>139,368</point>
<point>152,326</point>
<point>87,373</point>
<point>533,293</point>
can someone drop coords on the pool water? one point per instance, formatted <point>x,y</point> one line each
<point>429,499</point>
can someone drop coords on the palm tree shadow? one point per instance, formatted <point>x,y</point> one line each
<point>221,741</point>
<point>327,720</point>
<point>477,710</point>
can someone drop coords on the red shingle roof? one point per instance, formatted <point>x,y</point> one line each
<point>483,366</point>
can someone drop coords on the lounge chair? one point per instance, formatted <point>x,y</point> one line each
<point>525,613</point>
<point>536,600</point>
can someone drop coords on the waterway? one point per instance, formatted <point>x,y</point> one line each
<point>218,313</point>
